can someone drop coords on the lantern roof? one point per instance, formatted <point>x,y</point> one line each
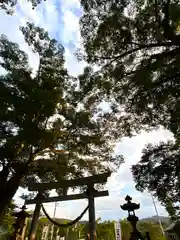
<point>129,206</point>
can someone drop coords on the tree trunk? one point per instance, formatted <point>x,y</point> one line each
<point>4,173</point>
<point>7,192</point>
<point>3,181</point>
<point>8,187</point>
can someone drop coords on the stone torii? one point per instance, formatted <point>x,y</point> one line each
<point>90,194</point>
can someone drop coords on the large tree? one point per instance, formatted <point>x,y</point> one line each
<point>158,172</point>
<point>9,219</point>
<point>137,46</point>
<point>47,130</point>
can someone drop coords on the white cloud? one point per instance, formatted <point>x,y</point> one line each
<point>70,35</point>
<point>131,148</point>
<point>71,26</point>
<point>45,15</point>
<point>28,12</point>
<point>74,67</point>
<point>72,4</point>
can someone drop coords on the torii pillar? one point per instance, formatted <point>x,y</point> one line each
<point>92,217</point>
<point>34,223</point>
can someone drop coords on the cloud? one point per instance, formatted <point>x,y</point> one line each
<point>10,28</point>
<point>71,26</point>
<point>60,19</point>
<point>70,34</point>
<point>57,17</point>
<point>131,148</point>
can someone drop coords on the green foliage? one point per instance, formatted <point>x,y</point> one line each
<point>139,57</point>
<point>143,226</point>
<point>125,229</point>
<point>154,229</point>
<point>105,230</point>
<point>27,103</point>
<point>9,219</point>
<point>49,129</point>
<point>158,171</point>
<point>71,232</point>
<point>137,46</point>
<point>172,209</point>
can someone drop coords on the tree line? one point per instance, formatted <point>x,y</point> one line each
<point>104,229</point>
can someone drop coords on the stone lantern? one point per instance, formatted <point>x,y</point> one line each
<point>19,226</point>
<point>130,207</point>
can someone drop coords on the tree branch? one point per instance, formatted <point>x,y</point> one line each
<point>141,47</point>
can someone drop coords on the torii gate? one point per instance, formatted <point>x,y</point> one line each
<point>65,184</point>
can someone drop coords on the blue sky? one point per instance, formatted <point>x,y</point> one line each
<point>61,20</point>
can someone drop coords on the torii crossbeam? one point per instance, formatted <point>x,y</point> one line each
<point>101,178</point>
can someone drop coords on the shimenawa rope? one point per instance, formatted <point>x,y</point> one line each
<point>64,224</point>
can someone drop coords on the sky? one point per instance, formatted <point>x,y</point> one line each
<point>61,19</point>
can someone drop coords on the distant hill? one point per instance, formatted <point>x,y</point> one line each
<point>164,220</point>
<point>63,219</point>
<point>60,220</point>
<point>156,219</point>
